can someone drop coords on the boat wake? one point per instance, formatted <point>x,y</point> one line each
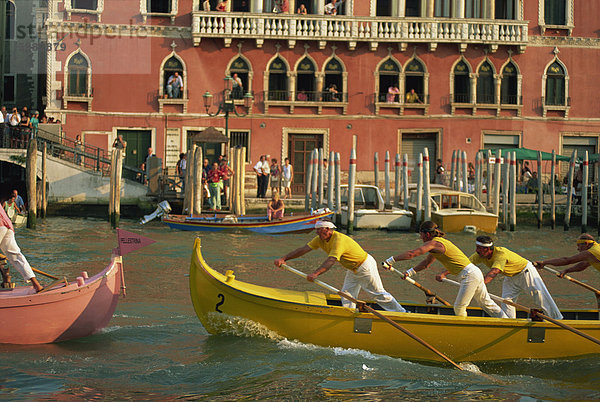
<point>238,326</point>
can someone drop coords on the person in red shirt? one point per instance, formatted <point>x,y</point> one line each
<point>215,184</point>
<point>226,173</point>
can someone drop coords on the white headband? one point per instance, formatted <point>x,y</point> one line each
<point>490,244</point>
<point>324,224</point>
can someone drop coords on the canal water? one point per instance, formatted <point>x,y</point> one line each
<point>155,348</point>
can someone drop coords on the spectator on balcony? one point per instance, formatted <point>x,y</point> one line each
<point>392,92</point>
<point>302,10</point>
<point>222,6</point>
<point>174,85</point>
<point>330,8</point>
<point>237,90</point>
<point>119,143</point>
<point>332,93</point>
<point>412,97</point>
<point>302,96</point>
<point>281,6</point>
<point>206,5</point>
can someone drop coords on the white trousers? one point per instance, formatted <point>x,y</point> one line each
<point>11,250</point>
<point>473,287</point>
<point>530,281</point>
<point>367,278</point>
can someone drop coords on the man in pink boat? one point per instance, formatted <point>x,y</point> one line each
<point>9,247</point>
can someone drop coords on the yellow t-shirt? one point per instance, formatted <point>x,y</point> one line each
<point>453,259</point>
<point>342,248</point>
<point>595,250</point>
<point>508,262</point>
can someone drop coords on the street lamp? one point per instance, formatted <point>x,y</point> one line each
<point>227,104</point>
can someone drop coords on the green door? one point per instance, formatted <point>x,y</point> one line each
<point>138,142</point>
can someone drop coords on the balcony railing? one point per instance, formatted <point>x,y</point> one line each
<point>356,29</point>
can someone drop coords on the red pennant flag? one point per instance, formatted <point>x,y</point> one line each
<point>129,241</point>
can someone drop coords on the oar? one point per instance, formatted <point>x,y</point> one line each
<point>427,292</point>
<point>585,285</point>
<point>374,312</point>
<point>44,273</point>
<point>544,316</point>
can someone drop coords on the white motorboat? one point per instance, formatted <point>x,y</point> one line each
<point>370,211</point>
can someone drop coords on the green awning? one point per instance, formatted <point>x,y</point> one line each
<point>531,154</point>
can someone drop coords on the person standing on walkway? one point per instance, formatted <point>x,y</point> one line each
<point>519,276</point>
<point>287,176</point>
<point>274,180</point>
<point>456,263</point>
<point>260,177</point>
<point>9,247</point>
<point>215,184</point>
<point>362,268</point>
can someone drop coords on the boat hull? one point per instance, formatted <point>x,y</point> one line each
<point>220,301</point>
<point>455,221</point>
<point>62,313</point>
<point>256,224</point>
<point>374,219</point>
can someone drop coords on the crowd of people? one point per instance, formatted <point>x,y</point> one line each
<point>17,127</point>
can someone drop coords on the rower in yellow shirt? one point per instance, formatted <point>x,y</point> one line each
<point>589,254</point>
<point>456,263</point>
<point>362,268</point>
<point>519,276</point>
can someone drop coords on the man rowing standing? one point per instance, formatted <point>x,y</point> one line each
<point>589,254</point>
<point>362,268</point>
<point>456,263</point>
<point>519,276</point>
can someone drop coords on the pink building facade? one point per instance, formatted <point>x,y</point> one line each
<point>484,74</point>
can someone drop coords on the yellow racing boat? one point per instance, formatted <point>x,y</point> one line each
<point>314,317</point>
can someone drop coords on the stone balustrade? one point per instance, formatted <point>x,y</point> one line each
<point>358,29</point>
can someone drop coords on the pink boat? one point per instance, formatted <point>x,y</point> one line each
<point>65,311</point>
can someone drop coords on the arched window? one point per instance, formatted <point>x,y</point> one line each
<point>278,80</point>
<point>85,4</point>
<point>508,88</point>
<point>486,93</point>
<point>173,78</point>
<point>11,14</point>
<point>462,83</point>
<point>334,82</point>
<point>415,79</point>
<point>389,77</point>
<point>555,12</point>
<point>306,81</point>
<point>159,6</point>
<point>555,85</point>
<point>239,68</point>
<point>78,69</point>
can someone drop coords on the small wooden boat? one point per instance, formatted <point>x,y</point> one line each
<point>222,302</point>
<point>370,211</point>
<point>65,311</point>
<point>252,223</point>
<point>454,210</point>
